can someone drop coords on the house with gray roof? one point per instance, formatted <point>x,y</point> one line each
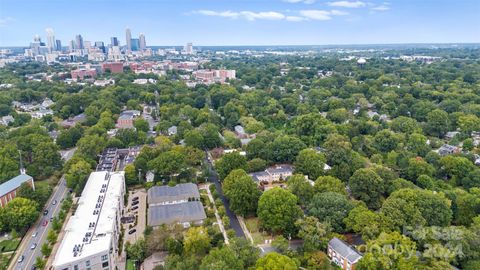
<point>343,254</point>
<point>8,190</point>
<point>186,214</point>
<point>162,195</point>
<point>447,149</point>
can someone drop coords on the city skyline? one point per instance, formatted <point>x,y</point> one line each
<point>272,22</point>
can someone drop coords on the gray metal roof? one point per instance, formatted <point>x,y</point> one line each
<point>13,183</point>
<point>176,213</point>
<point>161,194</point>
<point>344,250</point>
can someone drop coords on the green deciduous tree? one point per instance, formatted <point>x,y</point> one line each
<point>389,251</point>
<point>278,210</point>
<point>330,207</point>
<point>274,261</point>
<point>367,186</point>
<point>329,183</point>
<point>229,162</point>
<point>310,163</point>
<point>242,192</point>
<point>196,241</point>
<point>315,234</point>
<point>301,187</point>
<point>19,214</point>
<point>221,259</point>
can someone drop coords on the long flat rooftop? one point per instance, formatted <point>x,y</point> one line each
<point>90,230</point>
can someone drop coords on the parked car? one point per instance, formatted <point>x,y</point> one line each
<point>54,202</point>
<point>135,208</point>
<point>132,231</point>
<point>20,259</point>
<point>135,198</point>
<point>45,222</point>
<point>134,203</point>
<point>34,234</point>
<point>45,212</point>
<point>51,219</point>
<point>34,245</point>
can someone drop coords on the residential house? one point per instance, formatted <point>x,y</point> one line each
<point>172,131</point>
<point>342,254</point>
<point>71,122</point>
<point>6,120</point>
<point>447,149</point>
<point>451,134</point>
<point>272,174</point>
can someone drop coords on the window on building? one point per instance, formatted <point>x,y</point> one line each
<point>104,257</point>
<point>105,264</point>
<point>75,267</point>
<point>87,263</point>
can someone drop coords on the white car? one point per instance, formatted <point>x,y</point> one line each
<point>34,234</point>
<point>34,245</point>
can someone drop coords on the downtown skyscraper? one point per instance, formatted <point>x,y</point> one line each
<point>128,37</point>
<point>79,42</point>
<point>51,43</point>
<point>142,42</point>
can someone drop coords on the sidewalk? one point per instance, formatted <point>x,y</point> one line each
<point>244,228</point>
<point>219,220</point>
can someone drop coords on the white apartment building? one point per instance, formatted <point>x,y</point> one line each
<point>91,235</point>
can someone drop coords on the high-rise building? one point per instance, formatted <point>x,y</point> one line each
<point>142,42</point>
<point>87,45</point>
<point>100,45</point>
<point>79,42</point>
<point>50,39</point>
<point>128,37</point>
<point>134,44</point>
<point>58,45</point>
<point>188,48</point>
<point>114,41</point>
<point>72,45</point>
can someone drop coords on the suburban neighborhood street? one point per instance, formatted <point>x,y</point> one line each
<point>233,218</point>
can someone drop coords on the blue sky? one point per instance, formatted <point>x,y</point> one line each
<point>244,22</point>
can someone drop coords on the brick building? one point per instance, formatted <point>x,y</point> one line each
<point>8,190</point>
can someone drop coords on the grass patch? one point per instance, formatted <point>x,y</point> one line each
<point>253,227</point>
<point>4,260</point>
<point>9,245</point>
<point>130,265</point>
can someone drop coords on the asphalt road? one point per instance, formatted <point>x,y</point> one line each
<point>234,224</point>
<point>41,231</point>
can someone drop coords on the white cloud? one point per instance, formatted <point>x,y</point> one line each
<point>347,4</point>
<point>338,12</point>
<point>248,15</point>
<point>315,14</point>
<point>300,1</point>
<point>226,14</point>
<point>295,18</point>
<point>5,20</point>
<point>302,15</point>
<point>267,15</point>
<point>383,7</point>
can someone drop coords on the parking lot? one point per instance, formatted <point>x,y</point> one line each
<point>138,208</point>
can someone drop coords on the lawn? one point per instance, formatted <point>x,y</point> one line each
<point>4,260</point>
<point>130,265</point>
<point>254,229</point>
<point>9,245</point>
